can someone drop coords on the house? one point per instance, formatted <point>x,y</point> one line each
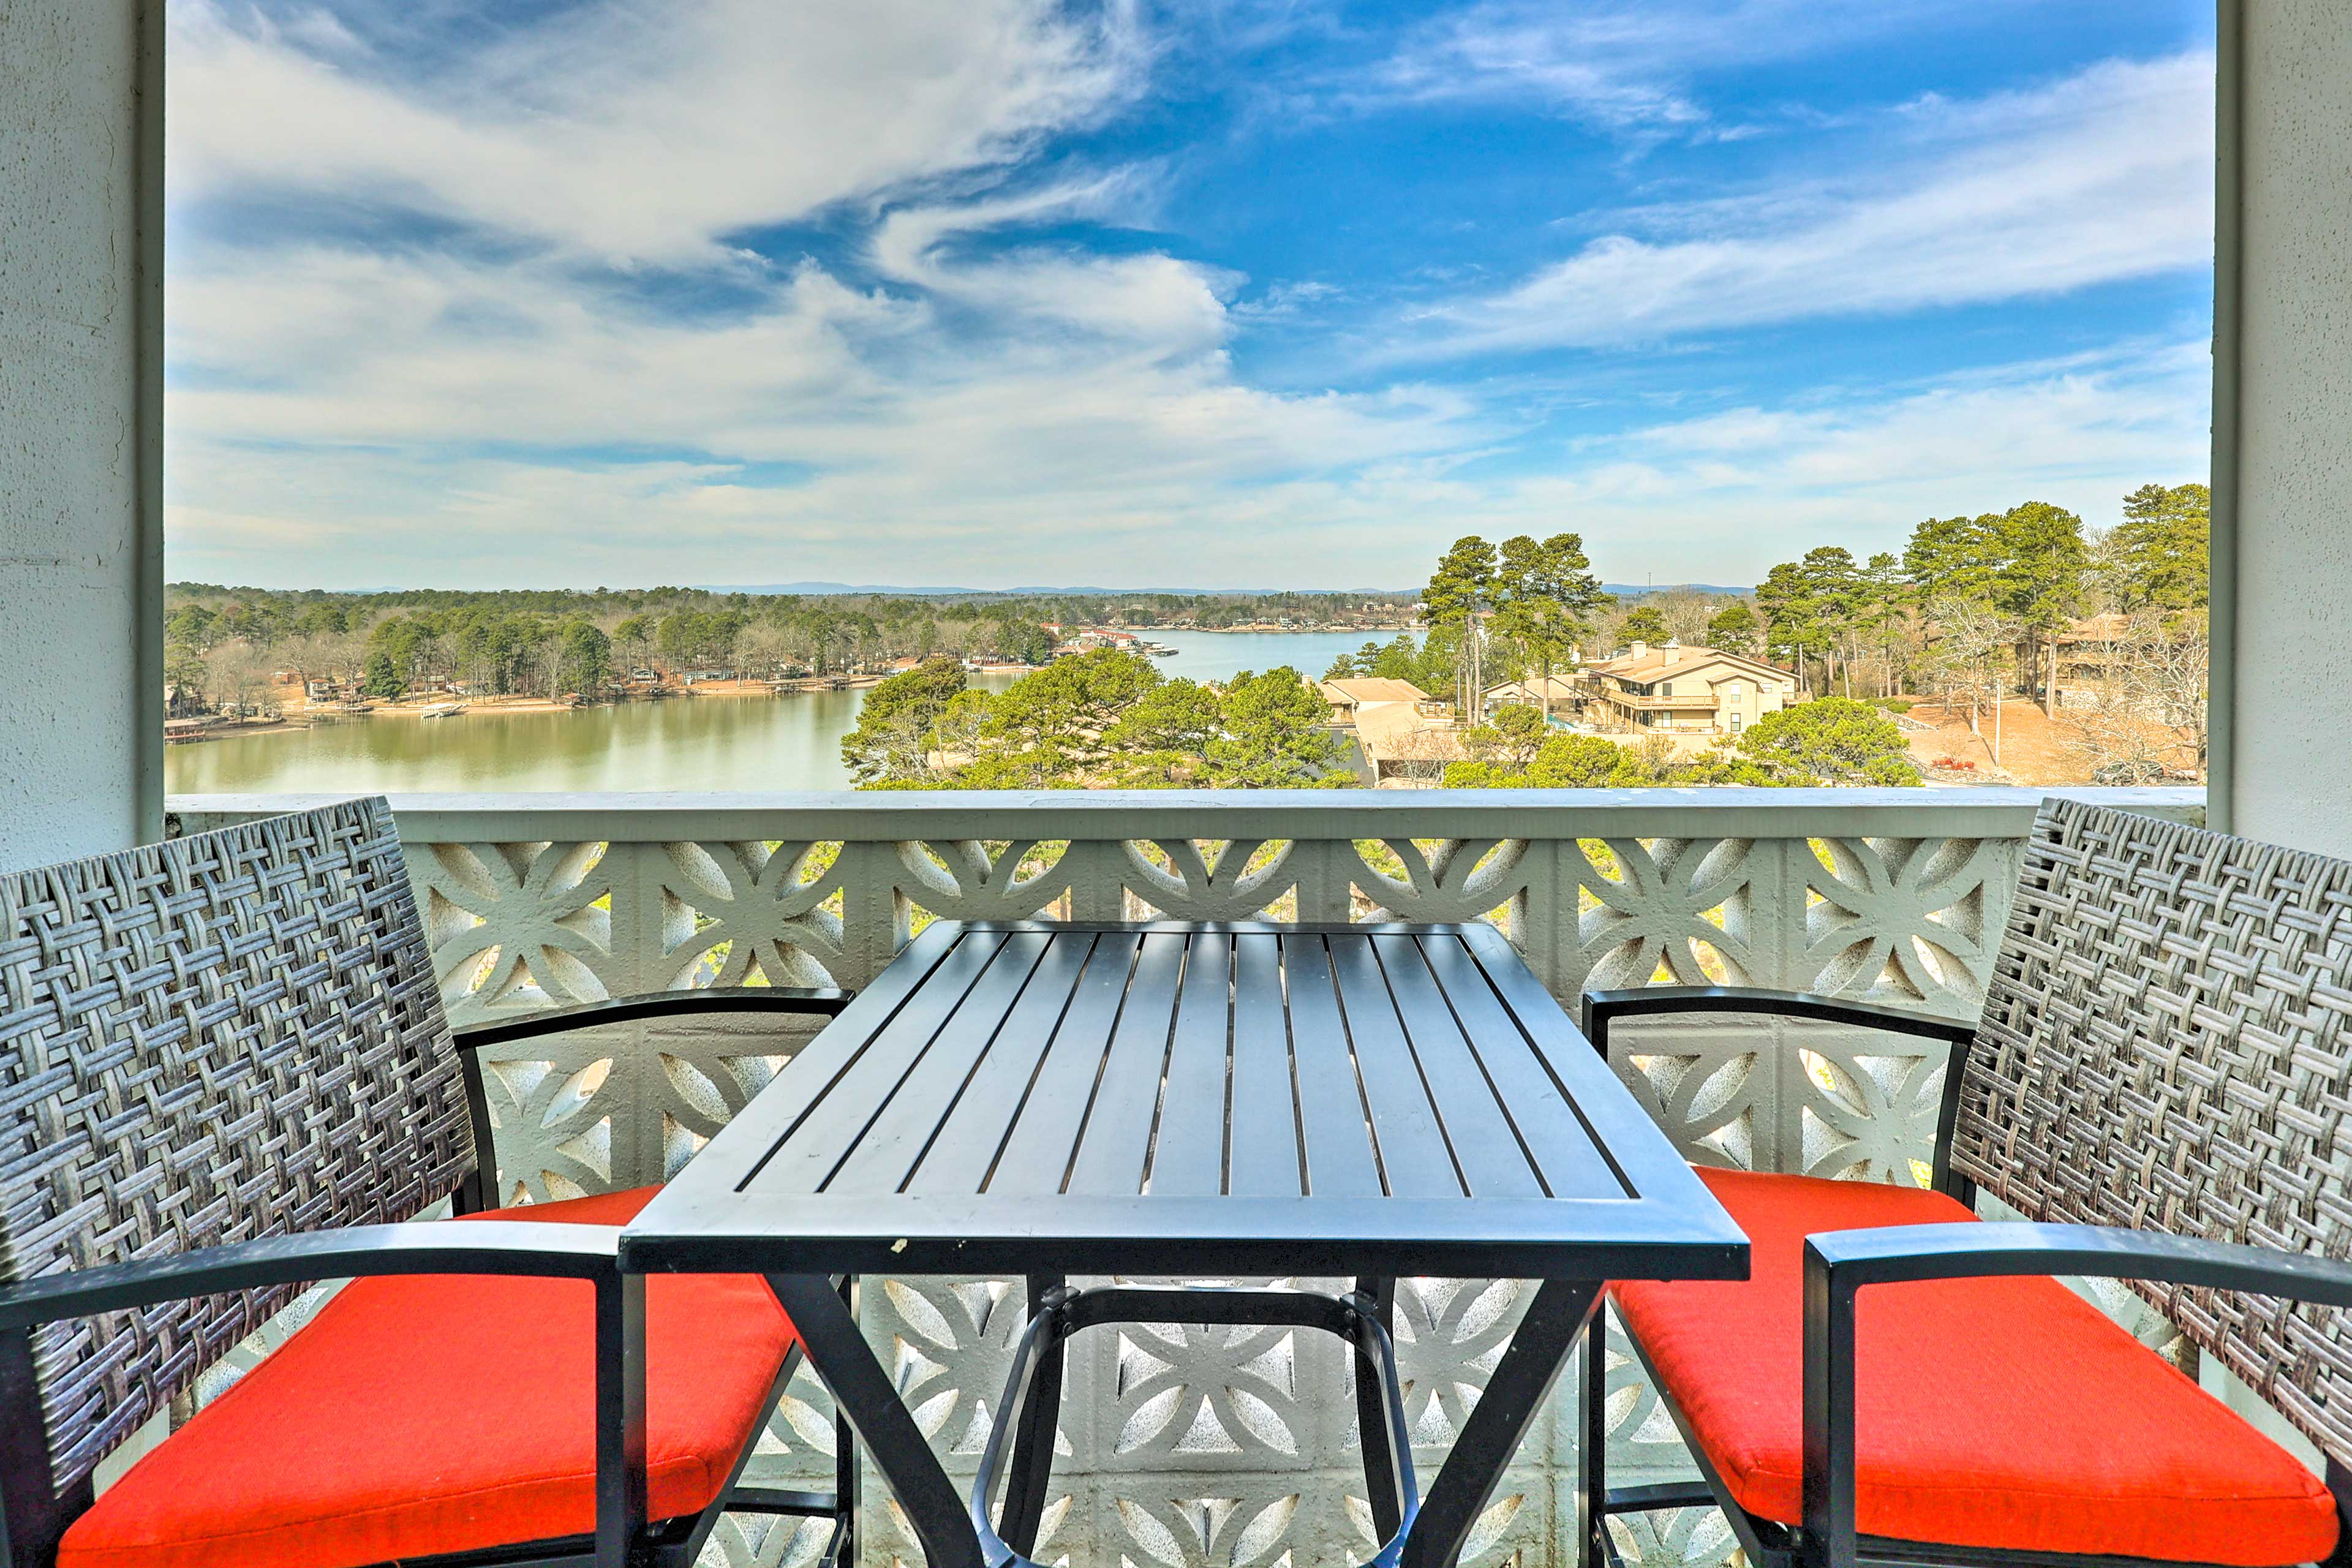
<point>2080,655</point>
<point>1560,693</point>
<point>1404,747</point>
<point>1683,691</point>
<point>1348,695</point>
<point>1398,727</point>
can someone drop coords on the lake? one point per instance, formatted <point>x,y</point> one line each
<point>685,743</point>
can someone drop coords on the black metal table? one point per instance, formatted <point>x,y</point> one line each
<point>1165,1099</point>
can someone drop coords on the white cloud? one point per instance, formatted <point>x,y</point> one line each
<point>1071,457</point>
<point>642,132</point>
<point>1724,495</point>
<point>447,450</point>
<point>1627,67</point>
<point>1149,299</point>
<point>965,394</point>
<point>2105,176</point>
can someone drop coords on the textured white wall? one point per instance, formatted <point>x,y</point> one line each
<point>2291,759</point>
<point>75,559</point>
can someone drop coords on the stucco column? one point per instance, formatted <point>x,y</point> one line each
<point>2283,426</point>
<point>81,556</point>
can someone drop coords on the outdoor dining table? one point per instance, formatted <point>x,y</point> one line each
<point>1168,1100</point>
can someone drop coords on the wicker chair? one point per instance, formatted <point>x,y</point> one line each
<point>2161,1086</point>
<point>224,1074</point>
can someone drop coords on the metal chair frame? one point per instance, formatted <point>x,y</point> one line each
<point>1838,1264</point>
<point>36,1510</point>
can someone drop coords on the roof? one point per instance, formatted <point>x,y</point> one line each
<point>1562,687</point>
<point>1372,688</point>
<point>1394,731</point>
<point>1660,663</point>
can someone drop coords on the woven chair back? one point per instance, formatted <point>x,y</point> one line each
<point>2164,1046</point>
<point>216,1039</point>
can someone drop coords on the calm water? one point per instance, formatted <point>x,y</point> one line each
<point>705,742</point>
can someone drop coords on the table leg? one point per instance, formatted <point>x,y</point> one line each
<point>863,1391</point>
<point>1372,1416</point>
<point>842,1551</point>
<point>1033,1440</point>
<point>1490,1438</point>
<point>1592,1444</point>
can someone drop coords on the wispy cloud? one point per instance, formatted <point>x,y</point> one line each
<point>2102,176</point>
<point>1093,409</point>
<point>640,132</point>
<point>630,293</point>
<point>1623,67</point>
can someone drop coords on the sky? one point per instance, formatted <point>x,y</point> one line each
<point>1165,293</point>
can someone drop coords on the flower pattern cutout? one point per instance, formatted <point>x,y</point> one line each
<point>1655,907</point>
<point>508,920</point>
<point>1904,920</point>
<point>742,914</point>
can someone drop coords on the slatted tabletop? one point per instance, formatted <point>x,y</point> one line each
<point>1245,1098</point>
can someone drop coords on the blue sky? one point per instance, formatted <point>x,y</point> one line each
<point>1165,292</point>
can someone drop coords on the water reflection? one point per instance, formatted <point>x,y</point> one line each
<point>684,743</point>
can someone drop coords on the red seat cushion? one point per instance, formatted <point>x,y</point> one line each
<point>1996,1413</point>
<point>436,1413</point>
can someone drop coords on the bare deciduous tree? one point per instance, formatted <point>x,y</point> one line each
<point>1972,648</point>
<point>237,673</point>
<point>2147,715</point>
<point>1686,614</point>
<point>1417,758</point>
<point>763,650</point>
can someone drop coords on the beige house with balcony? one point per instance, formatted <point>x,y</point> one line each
<point>1683,690</point>
<point>1561,693</point>
<point>1352,694</point>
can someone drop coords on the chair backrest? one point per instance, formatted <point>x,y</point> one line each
<point>207,1040</point>
<point>2164,1046</point>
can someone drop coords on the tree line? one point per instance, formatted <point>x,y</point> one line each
<point>1492,613</point>
<point>227,642</point>
<point>1963,589</point>
<point>1970,609</point>
<point>1829,741</point>
<point>1106,719</point>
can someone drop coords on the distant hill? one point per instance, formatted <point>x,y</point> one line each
<point>1622,590</point>
<point>820,589</point>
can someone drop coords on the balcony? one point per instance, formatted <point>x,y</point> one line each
<point>1638,703</point>
<point>1187,1445</point>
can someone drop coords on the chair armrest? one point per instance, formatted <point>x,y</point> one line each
<point>476,1246</point>
<point>1849,1259</point>
<point>1602,1007</point>
<point>1838,1264</point>
<point>655,1005</point>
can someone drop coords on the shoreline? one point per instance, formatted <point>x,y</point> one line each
<point>300,717</point>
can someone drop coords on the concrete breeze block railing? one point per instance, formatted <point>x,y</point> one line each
<point>1185,1446</point>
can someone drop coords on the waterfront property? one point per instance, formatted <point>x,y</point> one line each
<point>2156,1013</point>
<point>1351,695</point>
<point>1683,690</point>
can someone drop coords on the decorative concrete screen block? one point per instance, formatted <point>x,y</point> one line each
<point>1185,1446</point>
